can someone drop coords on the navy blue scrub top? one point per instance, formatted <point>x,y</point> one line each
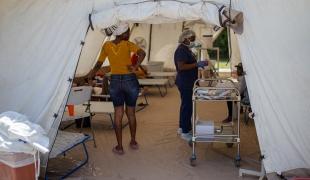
<point>185,78</point>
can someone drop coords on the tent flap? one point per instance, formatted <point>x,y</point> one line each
<point>275,51</point>
<point>40,45</point>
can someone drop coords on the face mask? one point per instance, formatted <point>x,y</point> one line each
<point>191,44</point>
<point>195,44</point>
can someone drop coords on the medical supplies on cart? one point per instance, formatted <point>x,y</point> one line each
<point>215,90</point>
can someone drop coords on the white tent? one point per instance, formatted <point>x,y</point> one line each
<point>40,44</point>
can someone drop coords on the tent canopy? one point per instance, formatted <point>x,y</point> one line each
<point>41,42</point>
<point>155,12</point>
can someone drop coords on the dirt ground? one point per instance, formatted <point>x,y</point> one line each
<point>162,155</point>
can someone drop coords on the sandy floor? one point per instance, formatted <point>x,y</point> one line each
<point>163,155</point>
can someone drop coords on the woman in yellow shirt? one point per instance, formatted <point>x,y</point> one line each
<point>124,87</point>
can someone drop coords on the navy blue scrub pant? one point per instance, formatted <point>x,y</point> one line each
<point>186,109</point>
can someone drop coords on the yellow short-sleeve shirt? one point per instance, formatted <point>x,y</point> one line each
<point>119,55</point>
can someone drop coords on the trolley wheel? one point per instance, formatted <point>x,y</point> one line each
<point>237,161</point>
<point>229,145</point>
<point>193,160</point>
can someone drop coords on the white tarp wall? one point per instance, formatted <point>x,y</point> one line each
<point>40,45</point>
<point>275,53</point>
<point>143,31</point>
<point>235,51</point>
<point>93,43</point>
<point>164,42</point>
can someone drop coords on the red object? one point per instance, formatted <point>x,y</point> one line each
<point>18,166</point>
<point>21,173</point>
<point>71,110</point>
<point>134,59</point>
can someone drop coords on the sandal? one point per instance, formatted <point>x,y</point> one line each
<point>134,146</point>
<point>118,151</point>
<point>227,120</point>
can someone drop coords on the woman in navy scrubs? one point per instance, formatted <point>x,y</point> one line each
<point>187,73</point>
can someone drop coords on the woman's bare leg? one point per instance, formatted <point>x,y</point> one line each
<point>131,115</point>
<point>118,116</point>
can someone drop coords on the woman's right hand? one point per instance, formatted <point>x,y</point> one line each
<point>202,64</point>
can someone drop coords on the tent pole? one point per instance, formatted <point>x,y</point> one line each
<point>261,174</point>
<point>150,43</point>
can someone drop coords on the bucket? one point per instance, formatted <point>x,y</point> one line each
<point>17,166</point>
